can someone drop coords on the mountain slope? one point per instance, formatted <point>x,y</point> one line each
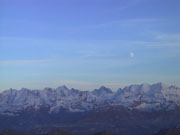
<point>144,97</point>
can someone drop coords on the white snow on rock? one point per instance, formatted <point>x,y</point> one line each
<point>144,97</point>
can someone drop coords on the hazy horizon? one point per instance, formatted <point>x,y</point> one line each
<point>113,87</point>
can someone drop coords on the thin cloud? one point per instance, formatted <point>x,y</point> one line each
<point>169,37</point>
<point>127,22</point>
<point>159,43</point>
<point>19,62</point>
<point>96,54</point>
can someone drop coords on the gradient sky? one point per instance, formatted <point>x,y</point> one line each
<point>88,43</point>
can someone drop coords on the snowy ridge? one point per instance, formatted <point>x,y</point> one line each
<point>144,97</point>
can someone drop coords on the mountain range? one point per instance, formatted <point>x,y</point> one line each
<point>143,97</point>
<point>138,109</point>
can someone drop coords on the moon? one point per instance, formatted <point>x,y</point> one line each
<point>131,54</point>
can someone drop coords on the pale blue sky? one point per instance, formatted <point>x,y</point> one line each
<point>88,43</point>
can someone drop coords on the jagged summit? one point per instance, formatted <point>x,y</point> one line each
<point>102,91</point>
<point>63,87</point>
<point>144,97</point>
<point>103,87</point>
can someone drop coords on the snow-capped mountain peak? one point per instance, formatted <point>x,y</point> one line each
<point>102,91</point>
<point>140,97</point>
